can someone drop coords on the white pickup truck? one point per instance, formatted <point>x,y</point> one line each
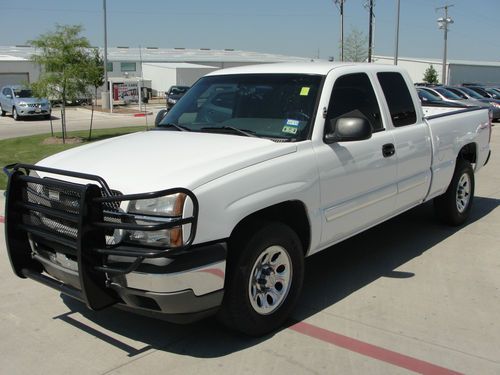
<point>253,170</point>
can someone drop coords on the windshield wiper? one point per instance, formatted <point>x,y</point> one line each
<point>178,127</point>
<point>245,132</point>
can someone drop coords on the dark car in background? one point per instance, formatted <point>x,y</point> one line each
<point>481,91</point>
<point>174,93</point>
<point>494,92</point>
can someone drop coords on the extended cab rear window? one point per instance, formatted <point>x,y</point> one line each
<point>398,98</point>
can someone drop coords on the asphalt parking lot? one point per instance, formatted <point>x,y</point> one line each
<point>76,119</point>
<point>410,295</point>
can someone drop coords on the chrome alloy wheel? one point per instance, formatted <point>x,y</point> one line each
<point>463,193</point>
<point>270,280</point>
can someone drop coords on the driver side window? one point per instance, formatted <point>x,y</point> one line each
<point>353,93</point>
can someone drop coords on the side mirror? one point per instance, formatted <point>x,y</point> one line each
<point>348,129</point>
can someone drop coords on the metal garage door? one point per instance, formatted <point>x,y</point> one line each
<point>13,78</point>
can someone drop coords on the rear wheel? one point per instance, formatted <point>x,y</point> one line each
<point>2,111</point>
<point>264,279</point>
<point>453,207</point>
<point>15,115</point>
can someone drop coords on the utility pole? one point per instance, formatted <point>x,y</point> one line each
<point>370,32</point>
<point>340,5</point>
<point>105,95</point>
<point>443,23</point>
<point>396,41</point>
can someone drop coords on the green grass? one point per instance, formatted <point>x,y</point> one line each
<point>31,149</point>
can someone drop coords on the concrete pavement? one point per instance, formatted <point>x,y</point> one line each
<point>76,119</point>
<point>410,295</point>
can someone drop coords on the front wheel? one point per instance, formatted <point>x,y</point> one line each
<point>160,115</point>
<point>264,280</point>
<point>15,115</point>
<point>453,207</point>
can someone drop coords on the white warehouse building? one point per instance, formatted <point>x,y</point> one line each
<point>163,67</point>
<point>459,71</point>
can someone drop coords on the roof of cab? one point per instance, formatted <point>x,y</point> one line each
<point>313,67</point>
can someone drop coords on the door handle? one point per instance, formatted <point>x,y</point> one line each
<point>388,150</point>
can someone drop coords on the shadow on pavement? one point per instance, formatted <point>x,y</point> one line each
<point>331,276</point>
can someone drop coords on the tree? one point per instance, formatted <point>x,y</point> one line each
<point>355,46</point>
<point>95,77</point>
<point>64,57</point>
<point>430,75</point>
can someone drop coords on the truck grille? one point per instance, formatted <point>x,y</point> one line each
<point>62,199</point>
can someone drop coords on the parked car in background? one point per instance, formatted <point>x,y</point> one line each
<point>471,94</point>
<point>174,93</point>
<point>481,91</point>
<point>448,96</point>
<point>20,101</point>
<point>495,93</point>
<point>428,99</point>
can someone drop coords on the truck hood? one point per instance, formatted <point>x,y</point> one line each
<point>156,160</point>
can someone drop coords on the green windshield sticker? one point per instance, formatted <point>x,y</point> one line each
<point>289,129</point>
<point>304,91</point>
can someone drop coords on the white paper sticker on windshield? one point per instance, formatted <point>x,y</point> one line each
<point>292,122</point>
<point>289,129</point>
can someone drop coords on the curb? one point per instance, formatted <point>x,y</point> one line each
<point>142,114</point>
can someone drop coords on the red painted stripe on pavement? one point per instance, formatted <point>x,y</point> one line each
<point>139,115</point>
<point>2,219</point>
<point>370,350</point>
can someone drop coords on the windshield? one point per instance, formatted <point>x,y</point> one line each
<point>23,93</point>
<point>493,92</point>
<point>278,106</point>
<point>457,92</point>
<point>471,93</point>
<point>448,94</point>
<point>426,95</point>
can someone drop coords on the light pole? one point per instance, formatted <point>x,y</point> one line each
<point>443,23</point>
<point>105,94</point>
<point>396,41</point>
<point>340,5</point>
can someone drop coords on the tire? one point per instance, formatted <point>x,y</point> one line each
<point>160,115</point>
<point>453,207</point>
<point>2,112</point>
<point>264,279</point>
<point>15,115</point>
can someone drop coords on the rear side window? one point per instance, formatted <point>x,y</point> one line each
<point>398,98</point>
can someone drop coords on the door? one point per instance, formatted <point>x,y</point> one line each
<point>357,179</point>
<point>412,141</point>
<point>5,101</point>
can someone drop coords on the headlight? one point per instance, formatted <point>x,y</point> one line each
<point>496,105</point>
<point>157,211</point>
<point>171,101</point>
<point>22,104</point>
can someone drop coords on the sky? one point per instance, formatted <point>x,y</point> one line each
<point>289,27</point>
